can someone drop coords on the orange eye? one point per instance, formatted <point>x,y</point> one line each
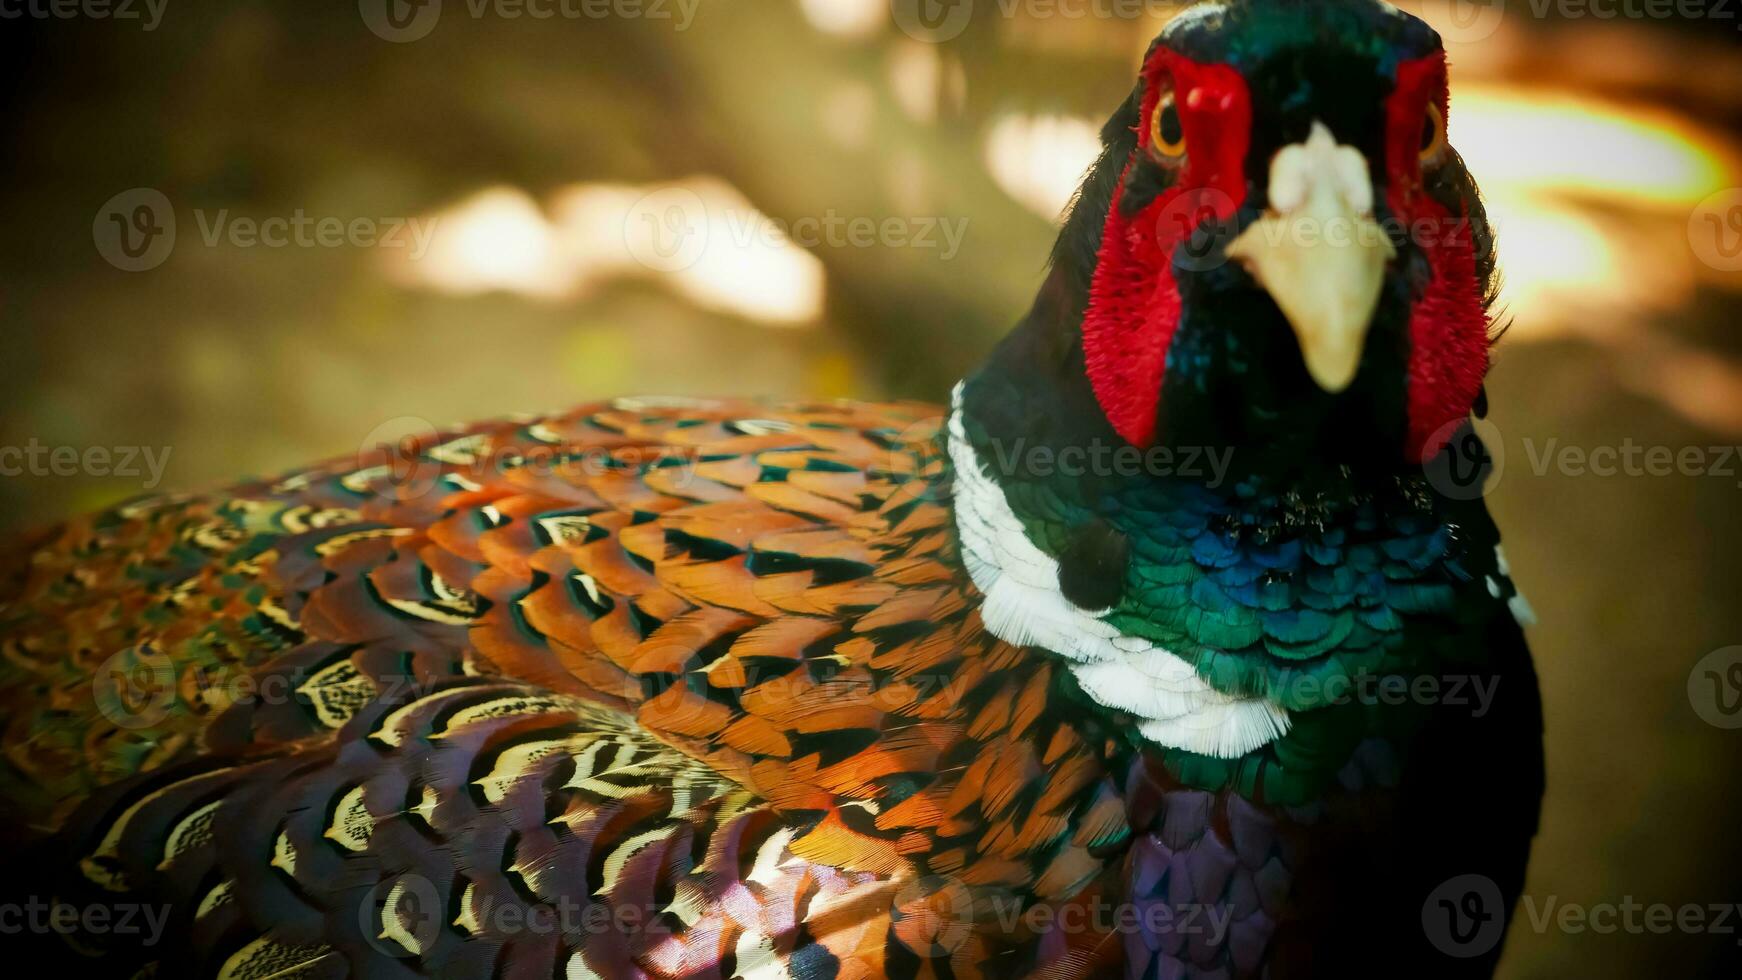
<point>1167,137</point>
<point>1433,136</point>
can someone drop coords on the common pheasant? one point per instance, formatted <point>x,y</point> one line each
<point>1141,657</point>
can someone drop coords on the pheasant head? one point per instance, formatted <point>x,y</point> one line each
<point>1268,307</point>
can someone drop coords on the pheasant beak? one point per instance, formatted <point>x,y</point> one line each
<point>1319,253</point>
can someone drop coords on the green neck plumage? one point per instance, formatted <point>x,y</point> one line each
<point>1318,597</point>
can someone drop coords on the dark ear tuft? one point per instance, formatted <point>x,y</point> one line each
<point>1079,243</point>
<point>1092,568</point>
<point>1455,189</point>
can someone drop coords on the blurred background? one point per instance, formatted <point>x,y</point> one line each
<point>243,235</point>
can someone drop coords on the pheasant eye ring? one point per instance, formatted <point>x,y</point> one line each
<point>1167,135</point>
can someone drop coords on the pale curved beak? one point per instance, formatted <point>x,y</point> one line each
<point>1319,253</point>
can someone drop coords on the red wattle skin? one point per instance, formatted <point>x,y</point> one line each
<point>1448,327</point>
<point>1134,302</point>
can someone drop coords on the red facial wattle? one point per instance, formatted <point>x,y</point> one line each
<point>1134,303</point>
<point>1448,327</point>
